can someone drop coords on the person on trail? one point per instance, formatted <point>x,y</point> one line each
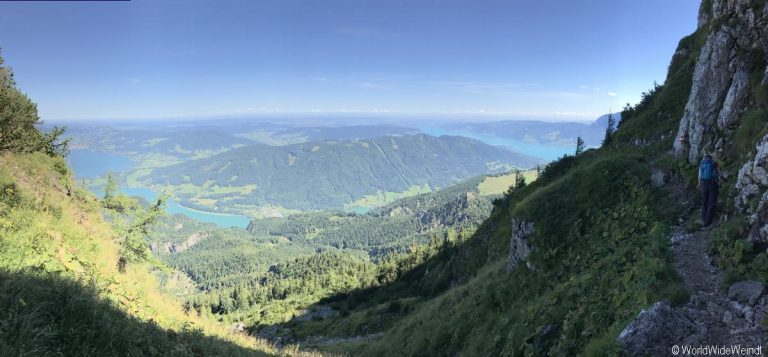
<point>709,183</point>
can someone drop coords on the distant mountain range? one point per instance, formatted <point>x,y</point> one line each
<point>177,141</point>
<point>331,173</point>
<point>540,132</point>
<point>186,139</point>
<point>241,166</point>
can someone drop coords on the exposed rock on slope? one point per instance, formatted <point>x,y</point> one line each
<point>721,91</point>
<point>752,184</point>
<point>519,247</point>
<point>660,322</point>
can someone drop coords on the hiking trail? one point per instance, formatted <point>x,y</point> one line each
<point>715,314</point>
<point>722,317</point>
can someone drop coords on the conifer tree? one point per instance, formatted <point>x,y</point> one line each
<point>110,188</point>
<point>519,179</point>
<point>18,118</point>
<point>609,130</point>
<point>579,146</point>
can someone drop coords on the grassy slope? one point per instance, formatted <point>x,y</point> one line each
<point>59,283</point>
<point>599,261</point>
<point>599,251</point>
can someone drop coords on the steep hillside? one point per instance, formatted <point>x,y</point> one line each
<point>545,268</point>
<point>60,284</point>
<point>564,266</point>
<point>62,287</point>
<point>330,174</point>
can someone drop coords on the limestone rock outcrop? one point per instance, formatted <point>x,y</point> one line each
<point>519,247</point>
<point>752,192</point>
<point>655,330</point>
<point>720,90</point>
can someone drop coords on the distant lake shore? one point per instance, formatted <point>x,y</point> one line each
<point>92,164</point>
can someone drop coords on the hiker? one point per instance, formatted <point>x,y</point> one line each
<point>709,182</point>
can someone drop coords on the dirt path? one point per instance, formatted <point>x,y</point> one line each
<point>721,318</point>
<point>693,263</point>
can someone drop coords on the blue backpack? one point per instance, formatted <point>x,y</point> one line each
<point>707,170</point>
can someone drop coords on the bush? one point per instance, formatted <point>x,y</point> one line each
<point>61,167</point>
<point>9,196</point>
<point>558,167</point>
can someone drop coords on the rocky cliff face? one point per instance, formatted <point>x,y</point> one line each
<point>752,186</point>
<point>730,68</point>
<point>519,247</point>
<point>721,93</point>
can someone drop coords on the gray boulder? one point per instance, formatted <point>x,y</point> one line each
<point>656,330</point>
<point>746,292</point>
<point>658,177</point>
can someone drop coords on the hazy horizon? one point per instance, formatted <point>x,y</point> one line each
<point>472,61</point>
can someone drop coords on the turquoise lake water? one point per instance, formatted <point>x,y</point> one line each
<point>172,207</point>
<point>91,164</point>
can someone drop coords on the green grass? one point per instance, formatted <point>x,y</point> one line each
<point>48,314</point>
<point>496,185</point>
<point>752,127</point>
<point>740,259</point>
<point>60,286</point>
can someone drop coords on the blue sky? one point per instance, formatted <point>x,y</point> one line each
<point>553,60</point>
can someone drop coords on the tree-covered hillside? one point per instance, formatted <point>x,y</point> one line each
<point>181,140</point>
<point>243,276</point>
<point>391,228</point>
<point>330,174</point>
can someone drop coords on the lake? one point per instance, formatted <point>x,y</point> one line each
<point>541,151</point>
<point>92,164</point>
<point>220,219</point>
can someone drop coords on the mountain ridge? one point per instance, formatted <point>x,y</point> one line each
<point>330,174</point>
